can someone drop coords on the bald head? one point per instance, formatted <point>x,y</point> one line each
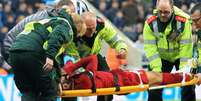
<point>170,2</point>
<point>90,20</point>
<point>165,9</point>
<point>196,16</point>
<point>88,17</point>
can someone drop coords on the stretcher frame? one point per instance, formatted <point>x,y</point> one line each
<point>123,90</point>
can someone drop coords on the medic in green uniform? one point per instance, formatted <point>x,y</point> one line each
<point>38,52</point>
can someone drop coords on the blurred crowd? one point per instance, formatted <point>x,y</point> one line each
<point>12,11</point>
<point>129,15</point>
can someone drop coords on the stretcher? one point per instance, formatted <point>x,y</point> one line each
<point>123,90</point>
<point>191,82</point>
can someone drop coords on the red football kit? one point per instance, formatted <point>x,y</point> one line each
<point>103,79</point>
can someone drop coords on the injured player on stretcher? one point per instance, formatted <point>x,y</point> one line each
<point>91,78</point>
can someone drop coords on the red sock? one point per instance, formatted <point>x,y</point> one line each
<point>169,78</point>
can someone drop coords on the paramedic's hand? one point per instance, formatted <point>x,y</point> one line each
<point>199,78</point>
<point>48,65</point>
<point>122,54</point>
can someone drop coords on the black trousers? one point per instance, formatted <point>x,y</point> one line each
<point>103,66</point>
<point>33,82</point>
<point>69,99</point>
<point>187,92</point>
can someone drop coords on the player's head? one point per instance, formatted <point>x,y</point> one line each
<point>165,9</point>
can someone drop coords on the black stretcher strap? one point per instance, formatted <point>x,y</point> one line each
<point>116,85</point>
<point>91,76</point>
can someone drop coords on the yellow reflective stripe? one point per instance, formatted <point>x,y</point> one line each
<point>61,50</point>
<point>179,26</point>
<point>155,26</point>
<point>154,42</point>
<point>45,44</point>
<point>169,50</point>
<point>155,29</point>
<point>114,39</point>
<point>199,45</point>
<point>153,57</point>
<point>44,21</point>
<point>49,29</point>
<point>184,59</point>
<point>29,26</point>
<point>187,41</point>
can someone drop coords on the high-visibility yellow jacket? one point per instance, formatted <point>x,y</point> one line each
<point>171,44</point>
<point>197,48</point>
<point>78,47</point>
<point>199,53</point>
<point>93,45</point>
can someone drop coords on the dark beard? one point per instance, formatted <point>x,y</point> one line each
<point>168,18</point>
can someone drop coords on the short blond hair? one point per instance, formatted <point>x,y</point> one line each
<point>79,24</point>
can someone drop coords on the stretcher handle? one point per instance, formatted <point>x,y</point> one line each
<point>191,82</point>
<point>103,91</point>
